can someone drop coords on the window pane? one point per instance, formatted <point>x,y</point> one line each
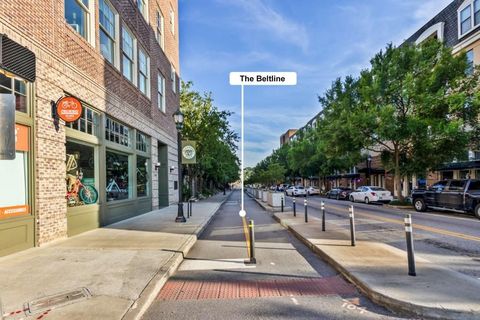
<point>106,46</point>
<point>5,81</point>
<point>76,16</point>
<point>117,176</point>
<point>142,176</point>
<point>20,103</point>
<point>127,44</point>
<point>127,68</point>
<point>465,19</point>
<point>107,18</point>
<point>466,26</point>
<point>20,86</point>
<point>80,179</point>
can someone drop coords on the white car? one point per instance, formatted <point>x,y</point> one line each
<point>369,194</point>
<point>312,190</point>
<point>296,191</point>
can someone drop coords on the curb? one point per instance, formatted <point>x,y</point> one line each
<point>397,306</point>
<point>146,298</point>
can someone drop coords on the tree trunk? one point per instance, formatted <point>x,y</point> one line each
<point>397,181</point>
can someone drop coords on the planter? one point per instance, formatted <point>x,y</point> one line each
<point>264,196</point>
<point>275,199</point>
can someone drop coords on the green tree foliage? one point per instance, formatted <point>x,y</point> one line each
<point>217,162</point>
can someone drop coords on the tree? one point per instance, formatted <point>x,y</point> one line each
<point>411,110</point>
<point>217,162</point>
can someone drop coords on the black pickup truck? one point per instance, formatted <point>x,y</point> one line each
<point>452,195</point>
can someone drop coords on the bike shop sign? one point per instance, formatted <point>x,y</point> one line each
<point>69,109</point>
<point>189,152</point>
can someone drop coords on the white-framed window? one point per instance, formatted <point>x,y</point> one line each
<point>161,92</point>
<point>173,78</point>
<point>142,6</point>
<point>128,55</point>
<point>470,62</point>
<point>78,16</point>
<point>143,72</point>
<point>160,30</point>
<point>468,16</point>
<point>108,30</point>
<point>172,21</point>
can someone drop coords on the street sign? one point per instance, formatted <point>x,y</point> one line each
<point>7,127</point>
<point>189,152</point>
<point>69,109</point>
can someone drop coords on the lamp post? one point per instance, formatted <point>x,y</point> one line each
<point>369,165</point>
<point>178,118</point>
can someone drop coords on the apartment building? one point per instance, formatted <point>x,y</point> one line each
<point>117,61</point>
<point>285,138</point>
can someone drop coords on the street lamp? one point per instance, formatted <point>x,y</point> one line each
<point>178,118</point>
<point>369,165</point>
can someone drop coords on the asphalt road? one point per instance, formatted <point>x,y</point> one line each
<point>281,278</point>
<point>449,239</point>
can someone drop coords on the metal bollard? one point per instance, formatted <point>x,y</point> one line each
<point>251,233</point>
<point>191,207</point>
<point>410,251</point>
<point>306,213</point>
<point>294,207</point>
<point>323,216</point>
<point>283,199</point>
<point>352,225</point>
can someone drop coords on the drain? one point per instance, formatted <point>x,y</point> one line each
<point>57,300</point>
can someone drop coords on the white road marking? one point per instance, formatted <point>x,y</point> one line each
<point>295,301</point>
<point>191,265</point>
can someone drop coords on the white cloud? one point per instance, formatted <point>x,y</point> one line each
<point>260,16</point>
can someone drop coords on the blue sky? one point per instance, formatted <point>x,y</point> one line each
<point>319,39</point>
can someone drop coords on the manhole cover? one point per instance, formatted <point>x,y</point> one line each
<point>57,300</point>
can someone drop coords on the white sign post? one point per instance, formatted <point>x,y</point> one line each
<point>256,79</point>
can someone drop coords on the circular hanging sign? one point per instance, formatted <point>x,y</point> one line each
<point>188,152</point>
<point>69,109</point>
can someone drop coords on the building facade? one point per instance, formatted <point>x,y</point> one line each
<point>285,138</point>
<point>120,59</point>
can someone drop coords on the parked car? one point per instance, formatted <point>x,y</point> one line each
<point>369,194</point>
<point>451,195</point>
<point>312,191</point>
<point>296,191</point>
<point>341,193</point>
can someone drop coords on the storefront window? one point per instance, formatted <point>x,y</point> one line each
<point>80,178</point>
<point>465,174</point>
<point>142,176</point>
<point>142,143</point>
<point>117,132</point>
<point>117,176</point>
<point>14,182</point>
<point>447,175</point>
<point>87,122</point>
<point>16,86</point>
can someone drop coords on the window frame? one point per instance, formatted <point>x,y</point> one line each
<point>142,74</point>
<point>89,22</point>
<point>172,21</point>
<point>160,29</point>
<point>173,78</point>
<point>134,59</point>
<point>470,5</point>
<point>116,38</point>
<point>143,12</point>
<point>161,95</point>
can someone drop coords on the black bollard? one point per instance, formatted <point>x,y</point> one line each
<point>410,251</point>
<point>306,213</point>
<point>352,225</point>
<point>191,206</point>
<point>323,216</point>
<point>283,199</point>
<point>294,208</point>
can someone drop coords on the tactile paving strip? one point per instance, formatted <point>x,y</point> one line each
<point>200,290</point>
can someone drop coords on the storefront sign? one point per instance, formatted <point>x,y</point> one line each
<point>21,138</point>
<point>189,152</point>
<point>69,109</point>
<point>15,211</point>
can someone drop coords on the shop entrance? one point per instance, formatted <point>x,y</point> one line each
<point>163,175</point>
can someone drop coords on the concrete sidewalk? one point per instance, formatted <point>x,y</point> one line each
<point>380,272</point>
<point>123,266</point>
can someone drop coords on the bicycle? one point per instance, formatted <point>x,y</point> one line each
<point>77,192</point>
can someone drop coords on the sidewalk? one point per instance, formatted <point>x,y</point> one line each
<point>380,272</point>
<point>123,266</point>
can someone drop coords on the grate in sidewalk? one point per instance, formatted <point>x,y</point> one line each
<point>200,290</point>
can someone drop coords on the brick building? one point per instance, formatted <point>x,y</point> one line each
<point>120,59</point>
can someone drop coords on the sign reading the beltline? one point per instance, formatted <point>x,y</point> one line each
<point>189,152</point>
<point>69,109</point>
<point>263,78</point>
